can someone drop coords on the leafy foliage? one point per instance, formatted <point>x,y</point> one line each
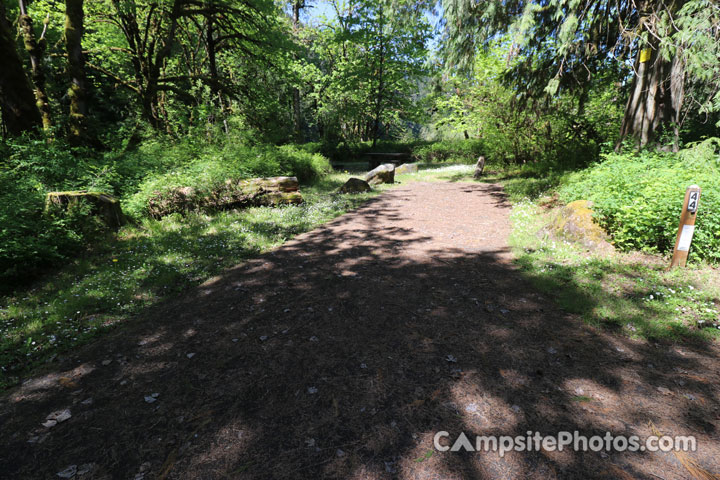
<point>638,197</point>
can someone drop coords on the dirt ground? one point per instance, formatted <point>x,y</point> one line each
<point>342,353</point>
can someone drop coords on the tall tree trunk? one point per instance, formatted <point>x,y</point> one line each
<point>381,84</point>
<point>74,29</point>
<point>297,112</point>
<point>17,102</point>
<point>156,64</point>
<point>656,98</point>
<point>36,50</point>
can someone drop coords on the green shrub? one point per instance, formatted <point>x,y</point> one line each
<point>452,151</point>
<point>213,166</point>
<point>638,197</point>
<point>30,239</point>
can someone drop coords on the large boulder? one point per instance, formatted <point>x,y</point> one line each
<point>406,168</point>
<point>104,206</point>
<point>354,185</point>
<point>382,174</point>
<point>479,167</point>
<point>574,222</point>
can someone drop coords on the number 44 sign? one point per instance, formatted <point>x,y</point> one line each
<point>687,227</point>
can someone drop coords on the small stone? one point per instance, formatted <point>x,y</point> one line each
<point>150,399</point>
<point>451,359</point>
<point>58,416</point>
<point>263,338</point>
<point>106,362</point>
<point>314,339</point>
<point>362,365</point>
<point>551,351</point>
<point>312,390</point>
<point>69,472</point>
<point>472,407</point>
<point>310,442</point>
<point>87,401</point>
<point>287,310</point>
<point>235,340</point>
<point>504,311</point>
<point>339,453</point>
<point>190,355</point>
<point>516,408</point>
<point>664,391</point>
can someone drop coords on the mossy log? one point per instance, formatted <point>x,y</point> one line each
<point>106,207</point>
<point>255,192</point>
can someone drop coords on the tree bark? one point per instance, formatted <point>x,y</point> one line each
<point>17,102</point>
<point>74,29</point>
<point>381,82</point>
<point>656,98</point>
<point>297,112</point>
<point>36,51</point>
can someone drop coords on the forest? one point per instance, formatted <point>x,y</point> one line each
<point>196,281</point>
<point>132,98</point>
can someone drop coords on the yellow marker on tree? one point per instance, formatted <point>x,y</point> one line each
<point>645,55</point>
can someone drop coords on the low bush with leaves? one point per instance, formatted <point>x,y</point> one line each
<point>451,151</point>
<point>638,197</point>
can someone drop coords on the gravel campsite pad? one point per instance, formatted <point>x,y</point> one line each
<point>343,352</point>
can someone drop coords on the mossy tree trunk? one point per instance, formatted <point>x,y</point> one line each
<point>36,50</point>
<point>74,29</point>
<point>17,102</point>
<point>297,108</point>
<point>656,95</point>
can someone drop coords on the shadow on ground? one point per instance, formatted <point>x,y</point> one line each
<point>341,354</point>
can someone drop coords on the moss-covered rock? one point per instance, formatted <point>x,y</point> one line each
<point>574,222</point>
<point>407,168</point>
<point>354,185</point>
<point>382,174</point>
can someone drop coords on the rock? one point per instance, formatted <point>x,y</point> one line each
<point>355,185</point>
<point>574,222</point>
<point>479,167</point>
<point>382,174</point>
<point>57,417</point>
<point>406,168</point>
<point>105,207</point>
<point>69,472</point>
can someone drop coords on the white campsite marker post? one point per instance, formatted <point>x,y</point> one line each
<point>687,227</point>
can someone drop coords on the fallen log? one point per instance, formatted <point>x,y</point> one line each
<point>254,192</point>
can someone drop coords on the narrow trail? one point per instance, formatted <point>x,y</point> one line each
<point>342,353</point>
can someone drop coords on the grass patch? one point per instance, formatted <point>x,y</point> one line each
<point>145,263</point>
<point>633,294</point>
